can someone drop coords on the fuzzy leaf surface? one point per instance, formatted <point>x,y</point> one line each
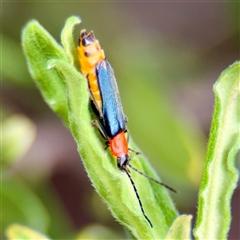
<point>111,184</point>
<point>220,174</point>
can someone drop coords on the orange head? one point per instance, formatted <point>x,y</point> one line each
<point>89,52</point>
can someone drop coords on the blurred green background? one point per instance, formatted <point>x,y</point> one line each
<point>166,58</point>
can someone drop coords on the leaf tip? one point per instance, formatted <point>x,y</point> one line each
<point>30,24</point>
<point>74,20</point>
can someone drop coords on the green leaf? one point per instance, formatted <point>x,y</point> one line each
<point>68,41</point>
<point>220,175</point>
<point>16,231</point>
<point>112,184</point>
<point>39,47</point>
<point>181,228</point>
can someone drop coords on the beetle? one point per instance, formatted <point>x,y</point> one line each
<point>107,105</point>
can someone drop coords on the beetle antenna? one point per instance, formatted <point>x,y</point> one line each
<point>152,179</point>
<point>138,197</point>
